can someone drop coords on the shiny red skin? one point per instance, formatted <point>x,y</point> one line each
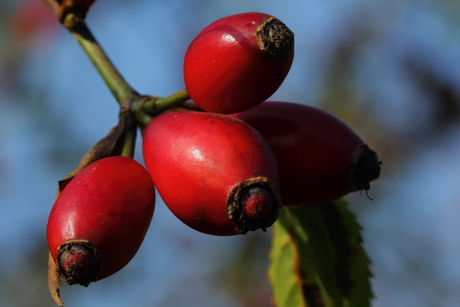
<point>110,203</point>
<point>196,158</point>
<point>313,149</point>
<point>224,69</point>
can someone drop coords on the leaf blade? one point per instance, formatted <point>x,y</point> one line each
<point>316,252</point>
<point>321,249</point>
<point>343,226</point>
<point>284,268</point>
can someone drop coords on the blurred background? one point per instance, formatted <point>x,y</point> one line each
<point>390,69</point>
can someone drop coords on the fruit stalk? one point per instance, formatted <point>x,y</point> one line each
<point>129,139</point>
<point>157,105</point>
<point>120,89</point>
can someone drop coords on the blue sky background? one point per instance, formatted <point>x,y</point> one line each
<point>390,69</point>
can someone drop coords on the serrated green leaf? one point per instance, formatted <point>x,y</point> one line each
<point>352,264</point>
<point>320,249</point>
<point>316,251</point>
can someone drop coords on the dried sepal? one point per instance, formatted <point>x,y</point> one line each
<point>110,145</point>
<point>53,281</point>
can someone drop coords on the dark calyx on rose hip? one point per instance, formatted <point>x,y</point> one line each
<point>275,39</point>
<point>365,167</point>
<point>78,262</point>
<point>253,204</point>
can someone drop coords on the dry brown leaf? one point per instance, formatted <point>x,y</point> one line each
<point>110,145</point>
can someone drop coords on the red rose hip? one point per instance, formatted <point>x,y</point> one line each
<point>320,158</point>
<point>238,62</point>
<point>99,220</point>
<point>214,172</point>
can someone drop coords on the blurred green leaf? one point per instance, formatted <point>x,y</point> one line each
<point>284,271</point>
<point>317,258</point>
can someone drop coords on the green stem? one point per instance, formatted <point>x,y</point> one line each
<point>129,139</point>
<point>113,79</point>
<point>157,105</point>
<point>141,118</point>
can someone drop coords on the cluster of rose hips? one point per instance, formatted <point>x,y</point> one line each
<point>224,170</point>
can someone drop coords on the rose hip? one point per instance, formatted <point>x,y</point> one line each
<point>213,171</point>
<point>238,61</point>
<point>99,220</point>
<point>320,158</point>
